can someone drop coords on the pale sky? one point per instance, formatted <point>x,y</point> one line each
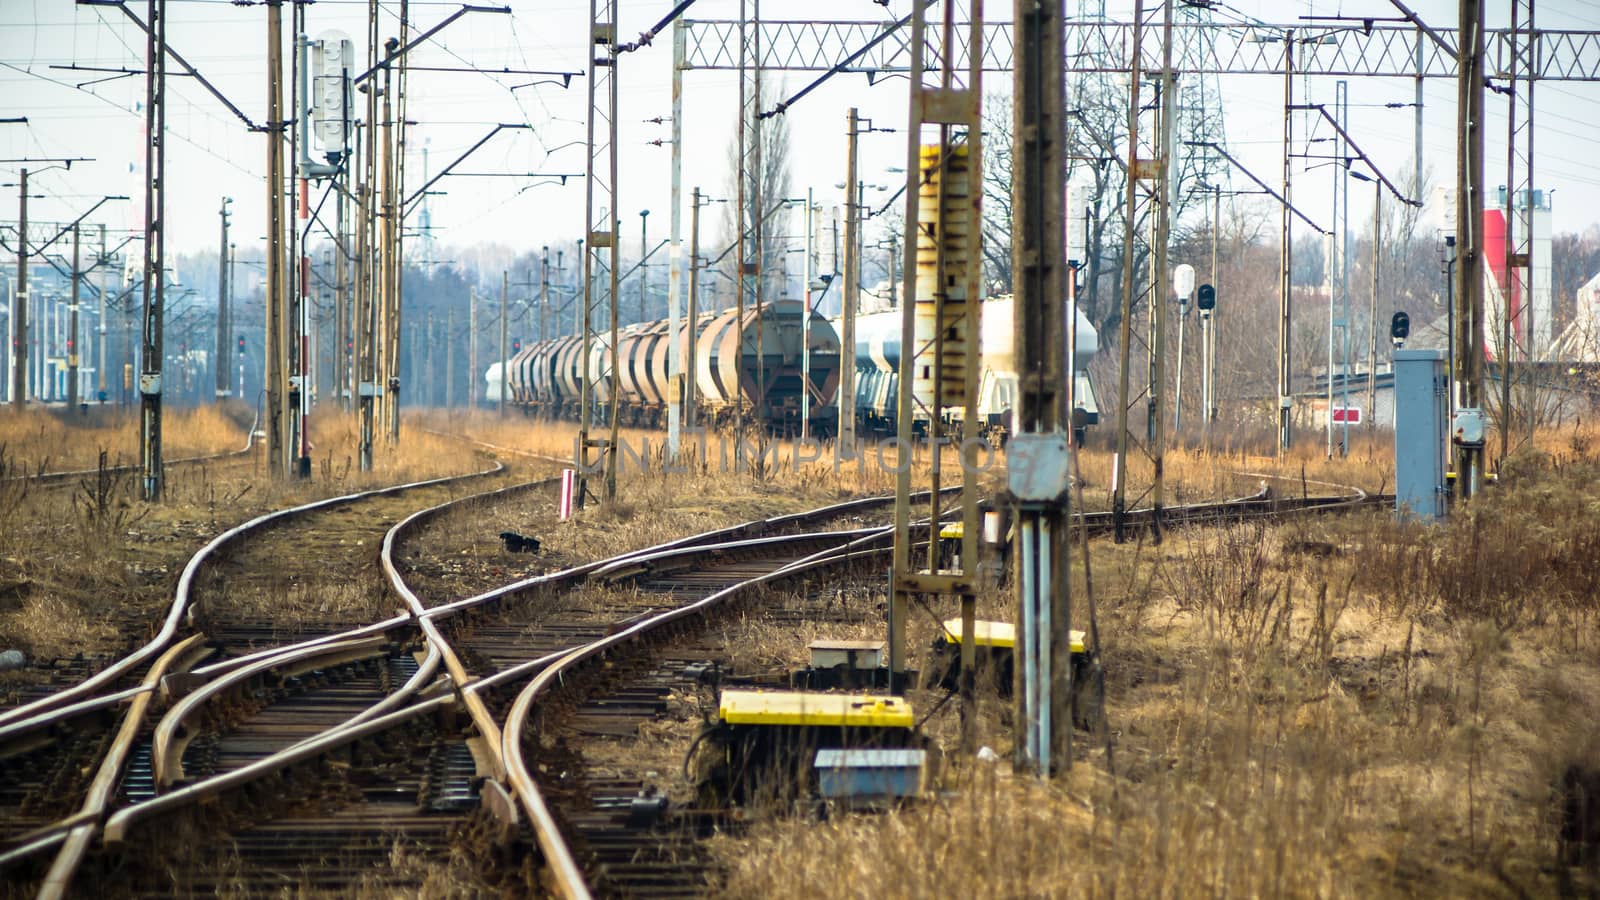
<point>210,152</point>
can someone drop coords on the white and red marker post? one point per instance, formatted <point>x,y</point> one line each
<point>569,488</point>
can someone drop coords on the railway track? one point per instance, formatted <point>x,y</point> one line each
<point>65,751</point>
<point>601,827</point>
<point>74,477</point>
<point>399,720</point>
<point>243,715</point>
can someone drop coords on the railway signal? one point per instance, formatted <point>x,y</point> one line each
<point>1399,329</point>
<point>1183,286</point>
<point>223,373</point>
<point>1206,299</point>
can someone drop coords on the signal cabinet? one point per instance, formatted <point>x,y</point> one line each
<point>1421,429</point>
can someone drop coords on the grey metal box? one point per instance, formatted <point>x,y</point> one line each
<point>1421,426</point>
<point>863,774</point>
<point>826,654</point>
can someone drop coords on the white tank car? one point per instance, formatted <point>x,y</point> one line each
<point>997,378</point>
<point>878,362</point>
<point>492,378</point>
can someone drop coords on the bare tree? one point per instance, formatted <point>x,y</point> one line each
<point>996,229</point>
<point>774,182</point>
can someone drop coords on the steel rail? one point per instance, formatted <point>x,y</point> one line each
<point>52,479</point>
<point>171,738</point>
<point>482,718</point>
<point>310,654</point>
<point>566,876</point>
<point>172,734</point>
<point>680,558</point>
<point>181,601</point>
<point>464,690</point>
<point>77,840</point>
<point>11,734</point>
<point>118,825</point>
<point>728,533</point>
<point>76,831</point>
<point>13,737</point>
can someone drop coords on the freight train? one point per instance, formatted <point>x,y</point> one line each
<point>877,341</point>
<point>546,378</point>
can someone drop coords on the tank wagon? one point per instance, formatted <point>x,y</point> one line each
<point>546,378</point>
<point>878,372</point>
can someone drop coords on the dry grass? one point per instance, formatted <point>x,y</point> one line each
<point>57,440</point>
<point>461,553</point>
<point>88,569</point>
<point>1345,707</point>
<point>1195,475</point>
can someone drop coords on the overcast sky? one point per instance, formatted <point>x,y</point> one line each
<point>211,154</point>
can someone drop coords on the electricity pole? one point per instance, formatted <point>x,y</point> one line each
<point>155,231</point>
<point>363,360</point>
<point>19,306</point>
<point>396,214</point>
<point>748,200</point>
<point>277,450</point>
<point>341,305</point>
<point>1286,257</point>
<point>1039,477</point>
<point>72,324</point>
<point>544,297</point>
<point>100,282</point>
<point>1210,320</point>
<point>294,295</point>
<point>939,330</point>
<point>505,362</point>
<point>851,291</point>
<point>600,258</point>
<point>805,326</point>
<point>224,326</point>
<point>644,251</point>
<point>1372,311</point>
<point>1469,247</point>
<point>679,380</point>
<point>387,331</point>
<point>1148,182</point>
<point>472,346</point>
<point>449,358</point>
<point>691,339</point>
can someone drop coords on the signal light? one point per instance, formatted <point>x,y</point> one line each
<point>1399,329</point>
<point>241,345</point>
<point>516,345</point>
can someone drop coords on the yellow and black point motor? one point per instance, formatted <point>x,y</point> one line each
<point>994,645</point>
<point>763,745</point>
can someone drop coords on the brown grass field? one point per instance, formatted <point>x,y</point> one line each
<point>1344,706</point>
<point>75,559</point>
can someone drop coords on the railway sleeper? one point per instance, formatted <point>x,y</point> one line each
<point>406,785</point>
<point>264,713</point>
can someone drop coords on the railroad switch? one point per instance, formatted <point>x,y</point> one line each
<point>995,649</point>
<point>763,745</point>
